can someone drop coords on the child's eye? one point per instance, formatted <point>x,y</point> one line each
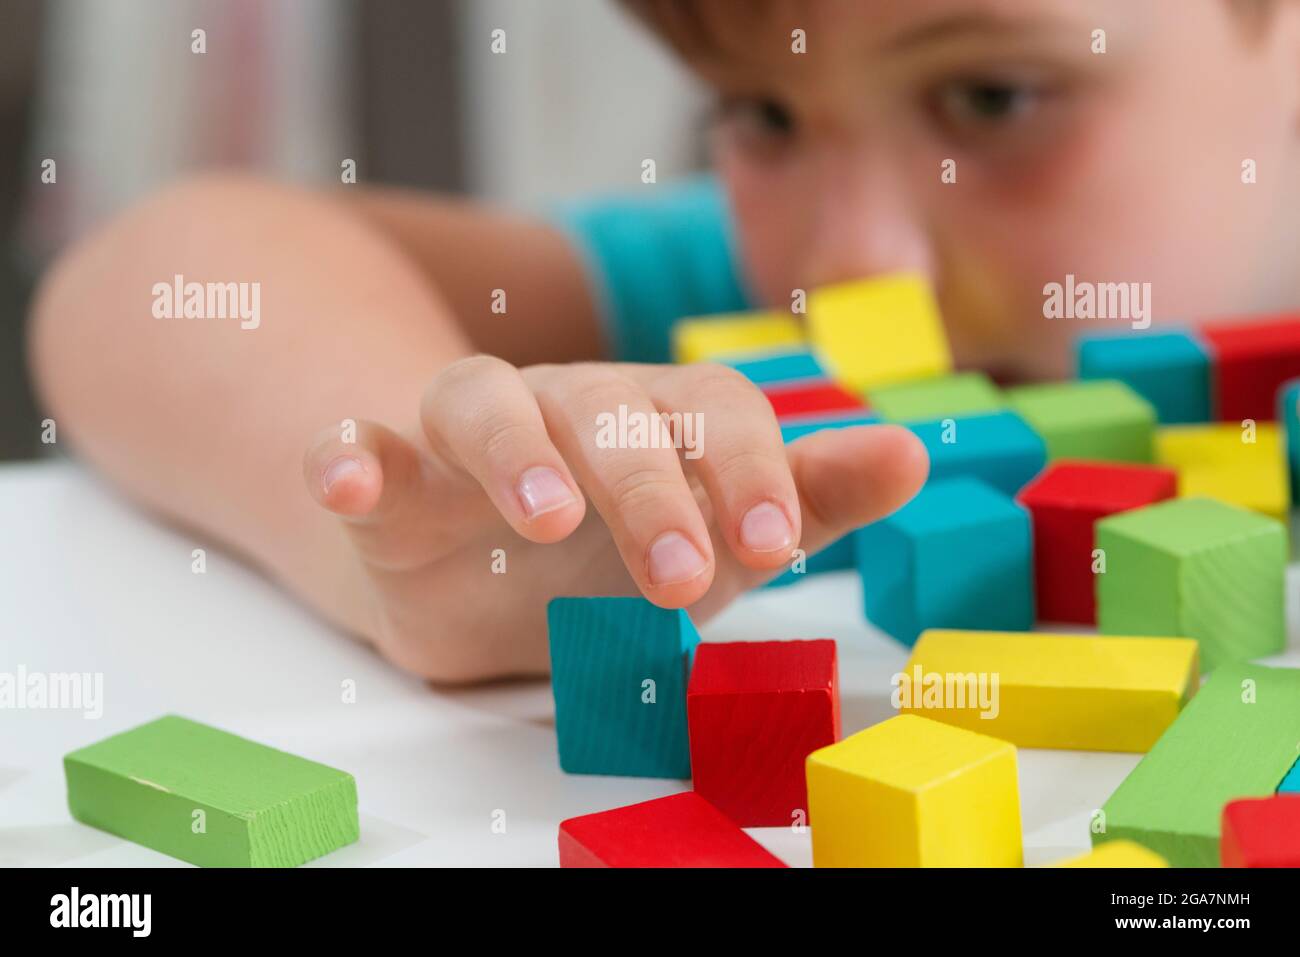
<point>757,123</point>
<point>974,106</point>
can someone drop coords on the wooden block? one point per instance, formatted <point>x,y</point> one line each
<point>872,332</point>
<point>732,335</point>
<point>999,448</point>
<point>963,393</point>
<point>1261,832</point>
<point>1252,360</point>
<point>1071,692</point>
<point>1170,369</point>
<point>681,830</point>
<point>956,556</point>
<point>812,399</point>
<point>210,797</point>
<point>1116,854</point>
<point>1099,419</point>
<point>792,429</point>
<point>1288,414</point>
<point>619,668</point>
<point>756,710</point>
<point>1195,568</point>
<point>910,792</point>
<point>779,366</point>
<point>1213,461</point>
<point>1291,783</point>
<point>1066,501</point>
<point>1235,738</point>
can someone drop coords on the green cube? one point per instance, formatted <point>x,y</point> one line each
<point>211,798</point>
<point>965,393</point>
<point>1098,419</point>
<point>1196,568</point>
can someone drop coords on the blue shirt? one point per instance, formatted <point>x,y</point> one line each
<point>655,259</point>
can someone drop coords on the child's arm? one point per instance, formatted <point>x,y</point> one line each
<point>209,423</point>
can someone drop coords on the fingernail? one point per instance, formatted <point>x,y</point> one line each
<point>765,528</point>
<point>341,467</point>
<point>672,559</point>
<point>541,490</point>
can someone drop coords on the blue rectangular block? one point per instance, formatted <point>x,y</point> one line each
<point>619,669</point>
<point>797,429</point>
<point>1170,369</point>
<point>785,366</point>
<point>999,447</point>
<point>1291,783</point>
<point>1288,414</point>
<point>957,556</point>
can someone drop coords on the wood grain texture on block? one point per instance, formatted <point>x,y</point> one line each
<point>962,393</point>
<point>619,668</point>
<point>1097,419</point>
<point>872,332</point>
<point>1065,502</point>
<point>1072,692</point>
<point>1195,568</point>
<point>911,792</point>
<point>1216,461</point>
<point>681,830</point>
<point>1236,738</point>
<point>1261,832</point>
<point>1116,854</point>
<point>756,710</point>
<point>210,797</point>
<point>1252,359</point>
<point>733,335</point>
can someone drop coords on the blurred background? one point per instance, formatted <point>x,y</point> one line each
<point>113,93</point>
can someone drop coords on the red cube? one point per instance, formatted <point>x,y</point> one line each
<point>1261,832</point>
<point>1251,360</point>
<point>815,399</point>
<point>682,830</point>
<point>755,710</point>
<point>1065,502</point>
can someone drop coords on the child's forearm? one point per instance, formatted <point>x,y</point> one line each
<point>207,420</point>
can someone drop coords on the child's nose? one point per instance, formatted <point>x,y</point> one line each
<point>866,224</point>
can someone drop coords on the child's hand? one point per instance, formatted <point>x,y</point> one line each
<point>502,449</point>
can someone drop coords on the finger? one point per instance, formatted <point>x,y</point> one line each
<point>602,421</point>
<point>735,449</point>
<point>851,477</point>
<point>386,492</point>
<point>480,414</point>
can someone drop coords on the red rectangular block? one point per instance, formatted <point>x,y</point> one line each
<point>755,710</point>
<point>1065,503</point>
<point>1261,832</point>
<point>1251,360</point>
<point>681,830</point>
<point>816,399</point>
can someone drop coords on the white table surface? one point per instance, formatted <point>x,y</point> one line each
<point>90,584</point>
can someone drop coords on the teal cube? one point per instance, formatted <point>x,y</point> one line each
<point>957,556</point>
<point>1170,369</point>
<point>999,448</point>
<point>779,367</point>
<point>619,670</point>
<point>1288,414</point>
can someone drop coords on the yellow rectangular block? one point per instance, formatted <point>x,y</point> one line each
<point>874,332</point>
<point>1073,692</point>
<point>705,338</point>
<point>911,792</point>
<point>1116,854</point>
<point>1216,461</point>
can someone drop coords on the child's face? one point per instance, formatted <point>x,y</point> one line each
<point>1122,166</point>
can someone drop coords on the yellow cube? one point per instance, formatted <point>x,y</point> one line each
<point>873,332</point>
<point>1072,692</point>
<point>706,338</point>
<point>1116,854</point>
<point>911,792</point>
<point>1214,461</point>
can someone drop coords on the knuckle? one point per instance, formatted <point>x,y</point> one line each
<point>464,371</point>
<point>643,490</point>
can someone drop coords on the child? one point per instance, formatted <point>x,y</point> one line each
<point>1116,156</point>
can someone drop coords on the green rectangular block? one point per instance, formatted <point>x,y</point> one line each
<point>1195,568</point>
<point>1097,419</point>
<point>259,807</point>
<point>964,393</point>
<point>1236,738</point>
